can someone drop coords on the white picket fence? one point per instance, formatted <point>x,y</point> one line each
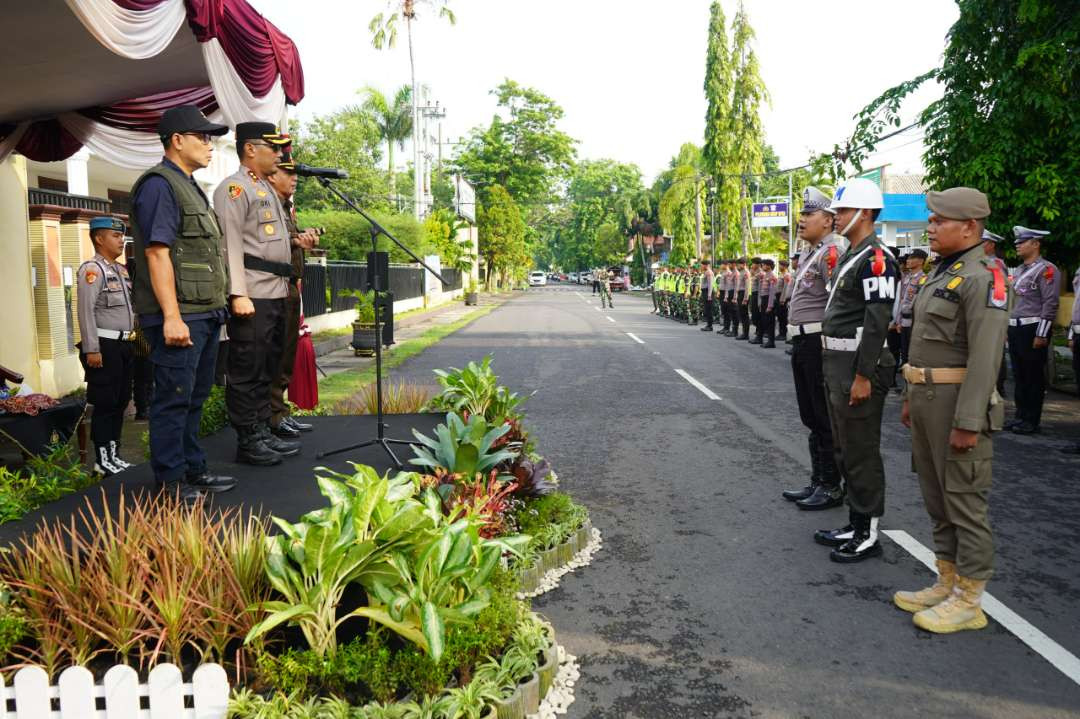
<point>119,696</point>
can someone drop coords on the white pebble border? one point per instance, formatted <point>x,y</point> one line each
<point>552,577</point>
<point>561,694</point>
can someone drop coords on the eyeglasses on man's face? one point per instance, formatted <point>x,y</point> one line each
<point>201,136</point>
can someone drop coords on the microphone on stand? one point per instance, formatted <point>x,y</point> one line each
<point>329,172</point>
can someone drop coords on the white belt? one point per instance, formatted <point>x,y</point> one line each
<point>1023,321</point>
<point>810,328</point>
<point>1076,329</point>
<point>845,344</point>
<point>115,334</point>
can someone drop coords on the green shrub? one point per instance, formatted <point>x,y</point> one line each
<point>214,414</point>
<point>12,622</point>
<point>348,235</point>
<point>550,519</point>
<point>44,479</point>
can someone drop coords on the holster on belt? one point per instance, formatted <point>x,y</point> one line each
<point>934,375</point>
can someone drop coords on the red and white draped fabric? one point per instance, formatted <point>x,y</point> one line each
<point>253,70</point>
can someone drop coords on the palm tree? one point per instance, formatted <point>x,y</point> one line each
<point>394,120</point>
<point>383,29</point>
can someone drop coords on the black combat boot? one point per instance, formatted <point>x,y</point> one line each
<point>863,543</point>
<point>284,447</point>
<point>794,495</point>
<point>756,340</point>
<point>830,492</point>
<point>769,343</point>
<point>251,447</point>
<point>744,336</point>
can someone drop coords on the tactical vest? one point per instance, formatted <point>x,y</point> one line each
<point>202,280</point>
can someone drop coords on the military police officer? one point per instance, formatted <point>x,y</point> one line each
<point>952,406</point>
<point>905,299</point>
<point>768,290</point>
<point>808,299</point>
<point>1037,283</point>
<point>257,247</point>
<point>858,366</point>
<point>106,321</point>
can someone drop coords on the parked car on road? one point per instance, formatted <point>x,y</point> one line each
<point>537,279</point>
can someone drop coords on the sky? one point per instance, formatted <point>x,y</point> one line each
<point>629,73</point>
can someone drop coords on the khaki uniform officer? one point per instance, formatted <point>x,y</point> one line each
<point>257,249</point>
<point>106,321</point>
<point>951,404</point>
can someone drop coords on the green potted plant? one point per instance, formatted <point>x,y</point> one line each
<point>475,700</point>
<point>365,334</point>
<point>509,702</point>
<point>472,297</point>
<point>521,664</point>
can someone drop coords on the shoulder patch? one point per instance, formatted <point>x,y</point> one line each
<point>91,276</point>
<point>1049,274</point>
<point>260,193</point>
<point>923,279</point>
<point>956,267</point>
<point>831,259</point>
<point>235,190</point>
<point>877,265</point>
<point>954,283</point>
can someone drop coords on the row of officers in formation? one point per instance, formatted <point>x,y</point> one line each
<point>199,272</point>
<point>854,316</point>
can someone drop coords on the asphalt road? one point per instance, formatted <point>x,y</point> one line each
<point>709,597</point>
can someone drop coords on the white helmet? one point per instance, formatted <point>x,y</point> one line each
<point>859,193</point>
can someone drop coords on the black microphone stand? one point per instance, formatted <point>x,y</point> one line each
<point>376,229</point>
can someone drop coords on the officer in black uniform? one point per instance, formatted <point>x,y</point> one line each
<point>106,321</point>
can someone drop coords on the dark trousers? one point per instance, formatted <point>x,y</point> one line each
<point>892,340</point>
<point>781,319</point>
<point>143,385</point>
<point>905,345</point>
<point>857,431</point>
<point>255,345</point>
<point>279,409</point>
<point>707,310</point>
<point>108,389</point>
<point>725,310</point>
<point>766,319</point>
<point>595,286</point>
<point>743,308</point>
<point>1029,371</point>
<point>810,395</point>
<point>183,377</point>
<point>755,312</point>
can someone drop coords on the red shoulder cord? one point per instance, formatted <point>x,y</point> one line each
<point>831,259</point>
<point>999,282</point>
<point>878,264</point>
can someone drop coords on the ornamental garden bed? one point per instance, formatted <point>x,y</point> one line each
<point>403,595</point>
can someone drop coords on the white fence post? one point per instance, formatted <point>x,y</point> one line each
<point>121,689</point>
<point>77,694</point>
<point>210,687</point>
<point>166,690</point>
<point>32,695</point>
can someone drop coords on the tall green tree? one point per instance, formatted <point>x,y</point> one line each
<point>604,197</point>
<point>524,152</point>
<point>501,234</point>
<point>718,152</point>
<point>1006,121</point>
<point>349,139</point>
<point>681,202</point>
<point>393,118</point>
<point>748,95</point>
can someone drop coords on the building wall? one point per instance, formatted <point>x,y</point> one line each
<point>18,348</point>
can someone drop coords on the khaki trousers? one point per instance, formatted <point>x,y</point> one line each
<point>955,485</point>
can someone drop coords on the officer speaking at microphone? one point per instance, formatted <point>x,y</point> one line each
<point>858,366</point>
<point>258,251</point>
<point>106,324</point>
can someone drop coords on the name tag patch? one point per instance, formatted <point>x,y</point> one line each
<point>947,294</point>
<point>993,302</point>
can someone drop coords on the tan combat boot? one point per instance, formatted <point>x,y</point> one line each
<point>962,610</point>
<point>931,596</point>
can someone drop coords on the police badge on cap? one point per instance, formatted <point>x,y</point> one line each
<point>1023,234</point>
<point>814,200</point>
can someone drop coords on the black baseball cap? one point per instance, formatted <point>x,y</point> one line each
<point>187,118</point>
<point>246,131</point>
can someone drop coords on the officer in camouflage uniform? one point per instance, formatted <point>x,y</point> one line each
<point>603,284</point>
<point>858,366</point>
<point>952,406</point>
<point>693,308</point>
<point>1037,283</point>
<point>106,350</point>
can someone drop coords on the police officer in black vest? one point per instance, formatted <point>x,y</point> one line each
<point>180,290</point>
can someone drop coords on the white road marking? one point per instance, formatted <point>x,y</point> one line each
<point>609,318</point>
<point>634,337</point>
<point>704,390</point>
<point>1062,660</point>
